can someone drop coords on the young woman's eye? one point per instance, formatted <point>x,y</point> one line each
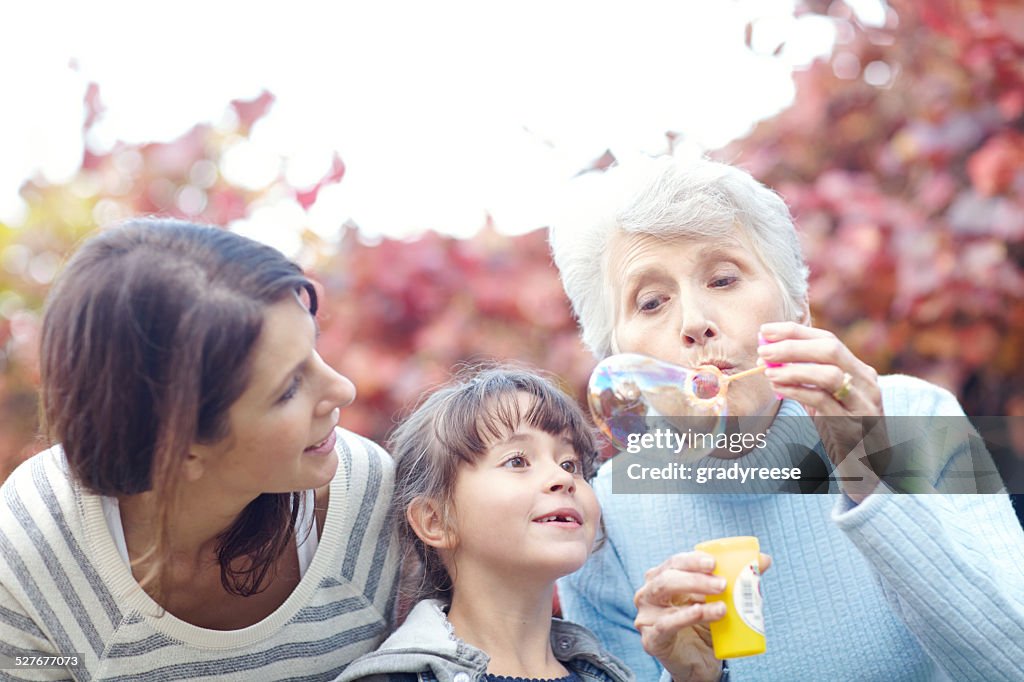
<point>293,388</point>
<point>516,462</point>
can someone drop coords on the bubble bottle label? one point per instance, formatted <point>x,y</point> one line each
<point>747,598</point>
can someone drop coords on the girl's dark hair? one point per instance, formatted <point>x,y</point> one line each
<point>456,425</point>
<point>146,342</point>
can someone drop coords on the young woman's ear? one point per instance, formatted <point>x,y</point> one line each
<point>427,520</point>
<point>195,463</point>
<point>200,457</point>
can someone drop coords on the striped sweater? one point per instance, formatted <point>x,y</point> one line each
<point>64,588</point>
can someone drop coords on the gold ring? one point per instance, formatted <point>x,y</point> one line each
<point>844,388</point>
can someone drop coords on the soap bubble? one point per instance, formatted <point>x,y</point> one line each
<point>631,395</point>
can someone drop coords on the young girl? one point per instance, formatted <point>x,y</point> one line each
<point>494,506</point>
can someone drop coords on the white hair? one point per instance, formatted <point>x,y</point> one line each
<point>668,198</point>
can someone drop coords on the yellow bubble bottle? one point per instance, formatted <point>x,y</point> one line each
<point>741,631</point>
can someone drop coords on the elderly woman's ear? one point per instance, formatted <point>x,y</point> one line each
<point>805,312</point>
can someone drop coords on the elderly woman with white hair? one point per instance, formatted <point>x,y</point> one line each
<point>697,263</point>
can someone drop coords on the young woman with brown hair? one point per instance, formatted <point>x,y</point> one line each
<point>194,520</point>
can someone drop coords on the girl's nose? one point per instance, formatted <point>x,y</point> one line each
<point>562,481</point>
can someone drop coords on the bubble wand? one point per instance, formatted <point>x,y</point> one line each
<point>710,383</point>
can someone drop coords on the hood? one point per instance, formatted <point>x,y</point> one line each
<point>424,642</point>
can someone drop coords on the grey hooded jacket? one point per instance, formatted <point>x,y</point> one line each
<point>425,649</point>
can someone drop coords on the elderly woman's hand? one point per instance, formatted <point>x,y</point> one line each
<point>837,389</point>
<point>673,617</point>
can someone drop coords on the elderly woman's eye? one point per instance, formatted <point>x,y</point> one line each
<point>724,281</point>
<point>649,303</point>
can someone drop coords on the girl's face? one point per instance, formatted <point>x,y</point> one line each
<point>282,426</point>
<point>697,301</point>
<point>523,512</point>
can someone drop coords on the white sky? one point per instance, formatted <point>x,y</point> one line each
<point>441,111</point>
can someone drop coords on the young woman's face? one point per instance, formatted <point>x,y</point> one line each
<point>282,426</point>
<point>523,510</point>
<point>696,302</point>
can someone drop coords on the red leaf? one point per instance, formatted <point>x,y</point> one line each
<point>93,106</point>
<point>250,111</point>
<point>307,197</point>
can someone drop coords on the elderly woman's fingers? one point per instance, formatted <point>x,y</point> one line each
<point>822,377</point>
<point>659,630</point>
<point>776,331</point>
<point>697,562</point>
<point>691,561</point>
<point>675,588</point>
<point>827,388</point>
<point>817,400</point>
<point>700,562</point>
<point>673,614</point>
<point>684,579</point>
<point>815,368</point>
<point>823,350</point>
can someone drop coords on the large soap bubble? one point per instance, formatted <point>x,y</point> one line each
<point>631,395</point>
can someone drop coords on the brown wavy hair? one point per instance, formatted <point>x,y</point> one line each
<point>147,341</point>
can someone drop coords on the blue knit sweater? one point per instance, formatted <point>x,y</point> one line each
<point>900,587</point>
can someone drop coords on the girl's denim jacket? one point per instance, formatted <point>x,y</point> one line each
<point>425,649</point>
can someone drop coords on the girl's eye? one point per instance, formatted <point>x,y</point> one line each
<point>293,388</point>
<point>571,465</point>
<point>516,462</point>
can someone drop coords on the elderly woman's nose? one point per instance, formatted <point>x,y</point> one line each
<point>697,327</point>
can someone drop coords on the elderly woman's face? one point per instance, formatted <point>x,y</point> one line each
<point>696,301</point>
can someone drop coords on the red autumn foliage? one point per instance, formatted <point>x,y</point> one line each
<point>908,194</point>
